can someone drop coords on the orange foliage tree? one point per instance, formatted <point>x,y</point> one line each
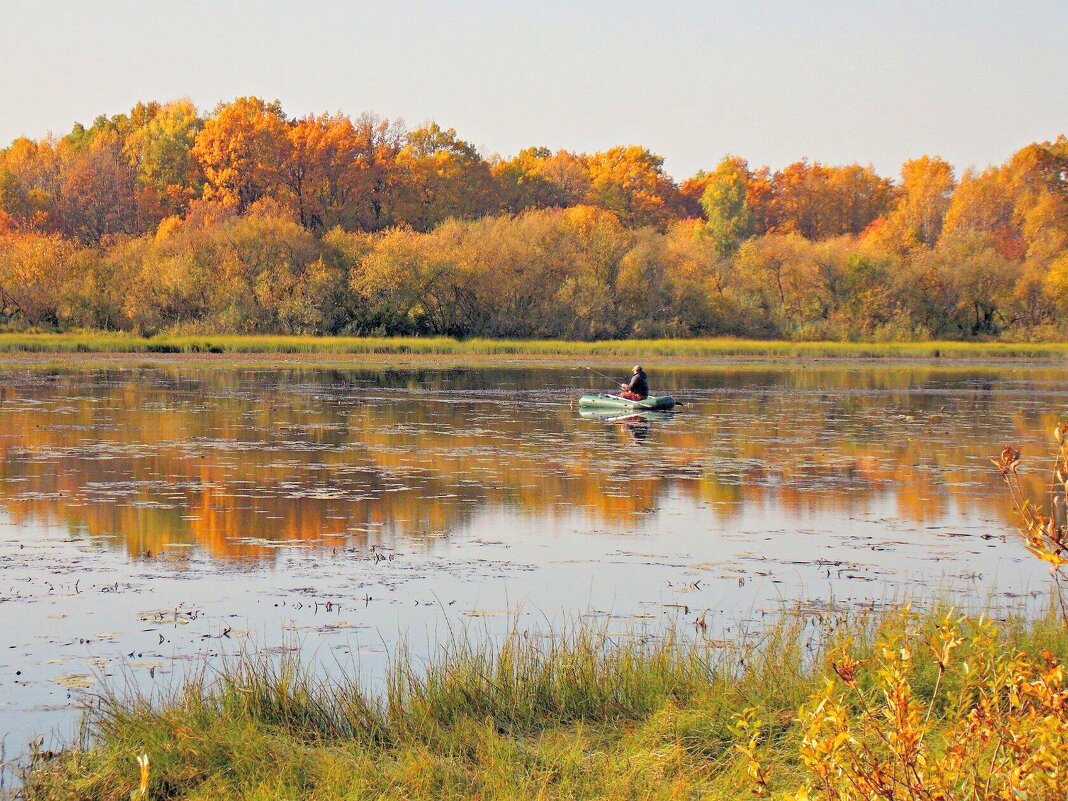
<point>810,250</point>
<point>241,150</point>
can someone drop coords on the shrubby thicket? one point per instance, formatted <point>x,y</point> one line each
<point>246,220</point>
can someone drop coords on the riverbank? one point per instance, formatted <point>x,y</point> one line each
<point>103,343</point>
<point>579,715</point>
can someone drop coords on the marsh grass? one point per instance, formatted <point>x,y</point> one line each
<point>580,713</point>
<point>117,342</point>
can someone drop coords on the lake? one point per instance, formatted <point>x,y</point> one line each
<point>152,516</point>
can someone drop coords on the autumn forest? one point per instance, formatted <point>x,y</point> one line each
<point>247,220</point>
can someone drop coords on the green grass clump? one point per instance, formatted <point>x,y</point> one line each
<point>580,715</point>
<point>716,348</point>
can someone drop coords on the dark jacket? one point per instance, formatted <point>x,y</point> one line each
<point>639,384</point>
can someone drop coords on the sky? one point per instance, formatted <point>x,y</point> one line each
<point>838,82</point>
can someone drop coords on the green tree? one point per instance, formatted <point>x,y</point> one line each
<point>728,218</point>
<point>161,150</point>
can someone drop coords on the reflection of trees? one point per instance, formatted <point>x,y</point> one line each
<point>228,459</point>
<point>219,459</point>
<point>881,432</point>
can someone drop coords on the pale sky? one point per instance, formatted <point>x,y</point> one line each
<point>874,82</point>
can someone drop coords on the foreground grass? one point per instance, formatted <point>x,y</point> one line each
<point>579,715</point>
<point>115,342</point>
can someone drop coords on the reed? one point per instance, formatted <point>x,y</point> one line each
<point>580,713</point>
<point>715,348</point>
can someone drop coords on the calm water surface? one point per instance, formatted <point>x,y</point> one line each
<point>150,516</point>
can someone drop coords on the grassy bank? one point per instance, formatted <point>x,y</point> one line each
<point>692,349</point>
<point>583,715</point>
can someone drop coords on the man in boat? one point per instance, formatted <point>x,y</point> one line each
<point>638,388</point>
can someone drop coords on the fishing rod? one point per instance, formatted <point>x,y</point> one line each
<point>602,375</point>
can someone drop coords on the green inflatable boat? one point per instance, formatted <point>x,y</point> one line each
<point>615,402</point>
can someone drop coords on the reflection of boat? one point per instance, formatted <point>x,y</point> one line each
<point>615,402</point>
<point>638,423</point>
<point>622,416</point>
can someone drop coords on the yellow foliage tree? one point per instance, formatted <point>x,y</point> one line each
<point>631,183</point>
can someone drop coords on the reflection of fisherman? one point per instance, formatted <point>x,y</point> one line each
<point>638,428</point>
<point>638,388</point>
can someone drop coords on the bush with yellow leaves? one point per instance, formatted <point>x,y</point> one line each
<point>991,723</point>
<point>995,725</point>
<point>1045,531</point>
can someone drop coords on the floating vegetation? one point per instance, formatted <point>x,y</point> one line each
<point>75,681</point>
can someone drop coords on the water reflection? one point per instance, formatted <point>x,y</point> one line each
<point>238,461</point>
<point>351,509</point>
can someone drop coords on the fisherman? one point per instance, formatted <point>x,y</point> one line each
<point>638,388</point>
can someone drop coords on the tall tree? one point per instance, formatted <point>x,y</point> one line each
<point>241,149</point>
<point>379,141</point>
<point>317,149</point>
<point>96,194</point>
<point>444,177</point>
<point>729,219</point>
<point>29,184</point>
<point>161,150</point>
<point>338,172</point>
<point>820,201</point>
<point>631,183</point>
<point>927,186</point>
<point>527,183</point>
<point>919,210</point>
<point>983,203</point>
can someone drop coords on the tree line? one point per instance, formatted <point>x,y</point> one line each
<point>248,220</point>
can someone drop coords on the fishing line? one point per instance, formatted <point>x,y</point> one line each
<point>602,375</point>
